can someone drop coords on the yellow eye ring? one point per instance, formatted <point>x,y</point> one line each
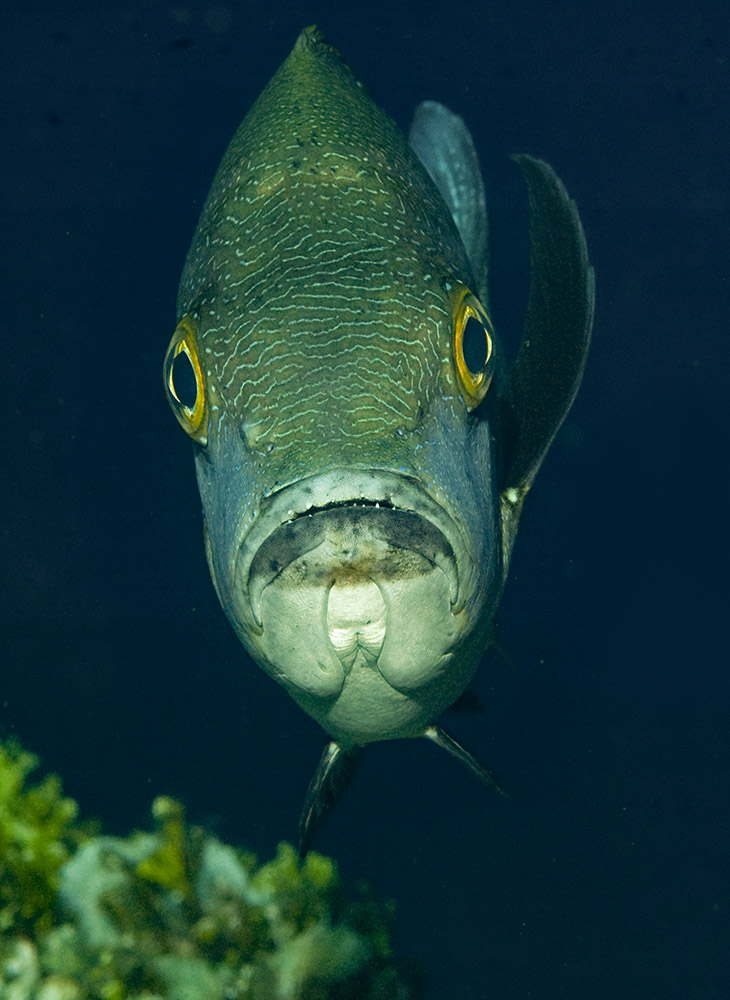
<point>189,404</point>
<point>474,360</point>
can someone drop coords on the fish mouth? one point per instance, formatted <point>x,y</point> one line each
<point>363,523</point>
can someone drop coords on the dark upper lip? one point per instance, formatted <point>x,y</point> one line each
<point>327,492</point>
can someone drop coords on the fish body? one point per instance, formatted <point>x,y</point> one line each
<point>362,447</point>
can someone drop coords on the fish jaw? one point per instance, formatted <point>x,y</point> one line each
<point>358,592</point>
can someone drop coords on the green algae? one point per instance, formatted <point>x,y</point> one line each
<point>36,839</point>
<point>173,913</point>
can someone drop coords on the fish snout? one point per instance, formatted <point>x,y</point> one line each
<point>354,590</point>
<point>355,586</point>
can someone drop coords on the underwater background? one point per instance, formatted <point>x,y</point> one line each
<point>606,872</point>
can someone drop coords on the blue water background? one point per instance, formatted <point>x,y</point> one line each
<point>605,873</point>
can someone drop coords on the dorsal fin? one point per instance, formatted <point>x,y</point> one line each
<point>443,144</point>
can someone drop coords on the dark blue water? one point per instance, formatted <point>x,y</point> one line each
<point>605,873</point>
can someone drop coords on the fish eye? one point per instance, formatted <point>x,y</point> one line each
<point>473,347</point>
<point>184,382</point>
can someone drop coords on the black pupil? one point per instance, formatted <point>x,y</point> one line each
<point>184,381</point>
<point>474,345</point>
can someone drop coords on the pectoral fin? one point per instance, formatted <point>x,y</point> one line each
<point>549,367</point>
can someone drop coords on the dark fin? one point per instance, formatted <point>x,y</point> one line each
<point>332,776</point>
<point>442,739</point>
<point>549,367</point>
<point>443,144</point>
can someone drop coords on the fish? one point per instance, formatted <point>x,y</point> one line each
<point>363,444</point>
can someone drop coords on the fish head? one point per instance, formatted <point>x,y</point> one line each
<point>350,504</point>
<point>332,364</point>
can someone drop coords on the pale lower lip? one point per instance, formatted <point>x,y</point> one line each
<point>364,540</point>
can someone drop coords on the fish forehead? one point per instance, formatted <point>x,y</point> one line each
<point>318,356</point>
<point>318,269</point>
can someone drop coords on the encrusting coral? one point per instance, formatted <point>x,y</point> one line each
<point>172,914</point>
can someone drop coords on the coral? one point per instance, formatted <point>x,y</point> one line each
<point>173,913</point>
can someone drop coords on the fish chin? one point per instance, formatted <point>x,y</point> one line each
<point>350,583</point>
